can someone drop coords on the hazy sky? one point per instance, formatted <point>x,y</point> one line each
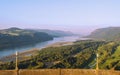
<point>79,16</point>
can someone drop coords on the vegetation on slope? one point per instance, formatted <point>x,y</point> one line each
<point>80,55</point>
<point>13,37</point>
<point>109,56</point>
<point>110,33</point>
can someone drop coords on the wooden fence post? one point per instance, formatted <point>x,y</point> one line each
<point>97,66</point>
<point>16,66</point>
<point>60,71</point>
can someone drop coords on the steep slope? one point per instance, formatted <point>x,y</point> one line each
<point>13,37</point>
<point>110,33</point>
<point>109,57</point>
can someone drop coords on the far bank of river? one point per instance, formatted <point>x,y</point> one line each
<point>6,52</point>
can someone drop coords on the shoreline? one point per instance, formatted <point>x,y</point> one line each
<point>25,55</point>
<point>21,55</point>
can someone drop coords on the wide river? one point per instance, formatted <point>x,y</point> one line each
<point>6,52</point>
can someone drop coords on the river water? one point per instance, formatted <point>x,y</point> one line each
<point>6,52</point>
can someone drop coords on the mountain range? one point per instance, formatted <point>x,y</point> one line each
<point>55,33</point>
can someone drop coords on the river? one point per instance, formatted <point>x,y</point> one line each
<point>6,52</point>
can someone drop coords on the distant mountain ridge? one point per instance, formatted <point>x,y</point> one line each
<point>55,33</point>
<point>110,33</point>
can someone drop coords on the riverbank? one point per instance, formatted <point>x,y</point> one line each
<point>22,55</point>
<point>25,55</point>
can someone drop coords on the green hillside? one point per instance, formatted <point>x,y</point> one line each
<point>13,37</point>
<point>80,55</point>
<point>110,33</point>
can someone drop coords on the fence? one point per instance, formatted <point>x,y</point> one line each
<point>59,72</point>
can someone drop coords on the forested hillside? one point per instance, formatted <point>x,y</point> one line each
<point>80,55</point>
<point>109,34</point>
<point>13,37</point>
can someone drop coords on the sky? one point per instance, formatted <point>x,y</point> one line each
<point>78,16</point>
